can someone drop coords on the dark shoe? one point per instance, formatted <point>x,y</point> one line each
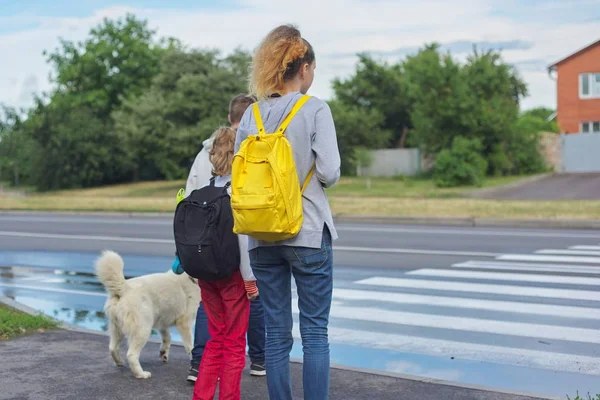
<point>192,374</point>
<point>258,369</point>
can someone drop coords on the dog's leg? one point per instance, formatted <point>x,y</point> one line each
<point>137,341</point>
<point>116,336</point>
<point>184,327</point>
<point>166,344</point>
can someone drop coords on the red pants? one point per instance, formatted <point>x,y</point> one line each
<point>227,309</point>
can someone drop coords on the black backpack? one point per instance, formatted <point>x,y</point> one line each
<point>203,227</point>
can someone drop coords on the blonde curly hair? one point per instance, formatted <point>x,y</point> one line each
<point>277,60</point>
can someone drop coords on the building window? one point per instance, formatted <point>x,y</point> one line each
<point>589,86</point>
<point>590,127</point>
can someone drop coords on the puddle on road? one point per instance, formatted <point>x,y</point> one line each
<point>91,318</point>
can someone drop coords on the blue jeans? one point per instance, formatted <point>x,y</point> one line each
<point>313,272</point>
<point>256,333</point>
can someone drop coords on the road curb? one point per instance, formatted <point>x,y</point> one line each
<point>68,327</point>
<point>473,222</point>
<point>373,219</point>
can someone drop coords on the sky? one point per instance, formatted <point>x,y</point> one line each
<point>532,34</point>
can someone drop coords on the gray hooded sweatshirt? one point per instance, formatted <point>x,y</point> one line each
<point>313,138</point>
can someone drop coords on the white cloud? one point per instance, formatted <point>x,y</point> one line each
<point>333,27</point>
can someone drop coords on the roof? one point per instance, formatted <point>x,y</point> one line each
<point>578,52</point>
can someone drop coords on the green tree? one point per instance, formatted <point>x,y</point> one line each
<point>16,148</point>
<point>72,126</point>
<point>542,115</point>
<point>75,147</point>
<point>378,86</point>
<point>495,91</point>
<point>439,99</point>
<point>357,126</point>
<point>118,58</point>
<point>522,146</point>
<point>162,130</point>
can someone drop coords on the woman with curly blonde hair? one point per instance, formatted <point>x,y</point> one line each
<point>283,70</point>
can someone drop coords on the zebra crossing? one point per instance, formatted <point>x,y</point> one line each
<point>538,310</point>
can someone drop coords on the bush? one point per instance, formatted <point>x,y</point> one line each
<point>523,147</point>
<point>460,165</point>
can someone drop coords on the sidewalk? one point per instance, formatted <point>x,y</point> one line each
<point>76,365</point>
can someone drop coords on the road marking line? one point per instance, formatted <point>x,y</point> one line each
<point>114,220</point>
<point>508,290</point>
<point>463,350</point>
<point>84,237</point>
<point>502,276</point>
<point>415,251</point>
<point>507,266</point>
<point>469,232</point>
<point>469,303</point>
<point>56,290</point>
<point>597,248</point>
<point>549,258</point>
<point>170,241</point>
<point>569,252</point>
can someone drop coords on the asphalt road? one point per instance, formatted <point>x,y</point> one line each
<point>359,245</point>
<point>517,309</point>
<point>554,187</point>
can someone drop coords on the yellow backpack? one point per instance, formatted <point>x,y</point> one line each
<point>266,197</point>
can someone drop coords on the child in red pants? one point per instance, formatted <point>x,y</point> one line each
<point>227,303</point>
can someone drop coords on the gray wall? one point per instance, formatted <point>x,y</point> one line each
<point>581,152</point>
<point>392,162</point>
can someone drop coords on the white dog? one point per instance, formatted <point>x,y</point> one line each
<point>135,306</point>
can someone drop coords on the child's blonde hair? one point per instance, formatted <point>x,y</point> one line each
<point>221,154</point>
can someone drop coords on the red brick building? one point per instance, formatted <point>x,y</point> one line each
<point>578,90</point>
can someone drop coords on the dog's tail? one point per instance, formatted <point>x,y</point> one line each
<point>109,269</point>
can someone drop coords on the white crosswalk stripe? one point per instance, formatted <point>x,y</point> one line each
<point>569,252</point>
<point>549,258</point>
<point>530,267</point>
<point>511,290</point>
<point>503,276</point>
<point>593,248</point>
<point>468,303</point>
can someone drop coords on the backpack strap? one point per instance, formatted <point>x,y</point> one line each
<point>286,121</point>
<point>310,174</point>
<point>258,119</point>
<point>292,113</point>
<point>212,181</point>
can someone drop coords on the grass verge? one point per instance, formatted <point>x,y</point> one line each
<point>14,323</point>
<point>407,197</point>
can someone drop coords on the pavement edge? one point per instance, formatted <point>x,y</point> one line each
<point>583,224</point>
<point>68,327</point>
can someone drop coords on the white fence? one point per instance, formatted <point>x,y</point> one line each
<point>581,152</point>
<point>393,162</point>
